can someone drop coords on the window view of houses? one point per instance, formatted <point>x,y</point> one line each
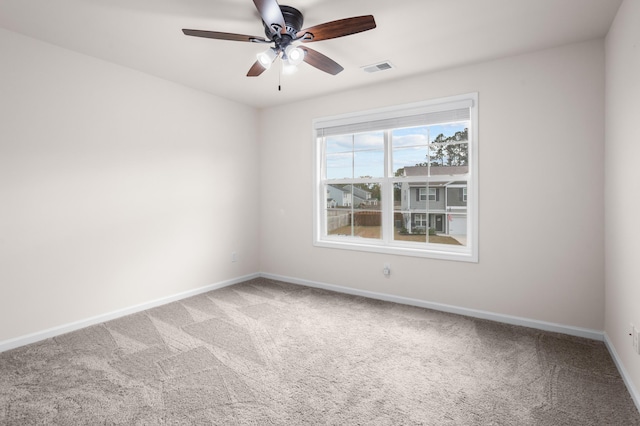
<point>428,183</point>
<point>435,208</point>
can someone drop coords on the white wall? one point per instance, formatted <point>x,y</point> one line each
<point>541,191</point>
<point>623,185</point>
<point>116,188</point>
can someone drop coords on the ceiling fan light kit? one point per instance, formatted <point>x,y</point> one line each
<point>294,55</point>
<point>282,28</point>
<point>267,57</point>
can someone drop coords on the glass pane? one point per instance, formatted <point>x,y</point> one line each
<point>410,136</point>
<point>410,161</point>
<point>444,147</point>
<point>449,149</point>
<point>434,212</point>
<point>354,210</point>
<point>368,141</point>
<point>355,156</point>
<point>338,221</point>
<point>368,154</point>
<point>456,217</point>
<point>410,149</point>
<point>410,211</point>
<point>367,223</point>
<point>452,154</point>
<point>340,165</point>
<point>368,164</point>
<point>340,143</point>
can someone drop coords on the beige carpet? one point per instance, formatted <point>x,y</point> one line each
<point>269,353</point>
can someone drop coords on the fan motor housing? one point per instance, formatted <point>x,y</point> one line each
<point>293,20</point>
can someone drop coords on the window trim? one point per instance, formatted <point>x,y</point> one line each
<point>468,253</point>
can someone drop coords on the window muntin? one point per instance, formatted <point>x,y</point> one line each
<point>406,187</point>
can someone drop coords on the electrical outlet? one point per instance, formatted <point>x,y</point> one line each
<point>234,256</point>
<point>387,269</point>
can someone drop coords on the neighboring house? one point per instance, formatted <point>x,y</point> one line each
<point>340,197</point>
<point>361,197</point>
<point>442,206</point>
<point>348,196</point>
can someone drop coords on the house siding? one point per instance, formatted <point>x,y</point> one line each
<point>454,197</point>
<point>422,205</point>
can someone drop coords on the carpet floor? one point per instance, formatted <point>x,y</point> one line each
<point>265,352</point>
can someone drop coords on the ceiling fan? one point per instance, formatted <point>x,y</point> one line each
<point>282,28</point>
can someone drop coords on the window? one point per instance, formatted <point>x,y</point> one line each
<point>400,180</point>
<point>433,194</point>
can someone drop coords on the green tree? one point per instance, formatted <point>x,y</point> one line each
<point>453,148</point>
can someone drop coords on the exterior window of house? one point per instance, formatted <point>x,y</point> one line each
<point>432,194</point>
<point>400,180</point>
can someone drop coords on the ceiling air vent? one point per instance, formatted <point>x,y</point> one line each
<point>381,66</point>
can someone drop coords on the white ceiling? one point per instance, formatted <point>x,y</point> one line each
<point>417,36</point>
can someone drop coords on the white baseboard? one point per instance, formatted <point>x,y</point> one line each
<point>66,328</point>
<point>623,372</point>
<point>507,319</point>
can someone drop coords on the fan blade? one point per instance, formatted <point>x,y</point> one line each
<point>320,61</point>
<point>339,28</point>
<point>222,36</point>
<point>256,69</point>
<point>271,14</point>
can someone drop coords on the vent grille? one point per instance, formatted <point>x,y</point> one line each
<point>381,66</point>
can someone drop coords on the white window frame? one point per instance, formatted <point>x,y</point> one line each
<point>387,245</point>
<point>432,197</point>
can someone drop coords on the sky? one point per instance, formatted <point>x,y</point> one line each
<point>362,154</point>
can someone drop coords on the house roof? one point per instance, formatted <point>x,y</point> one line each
<point>435,171</point>
<point>358,192</point>
<point>441,184</point>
